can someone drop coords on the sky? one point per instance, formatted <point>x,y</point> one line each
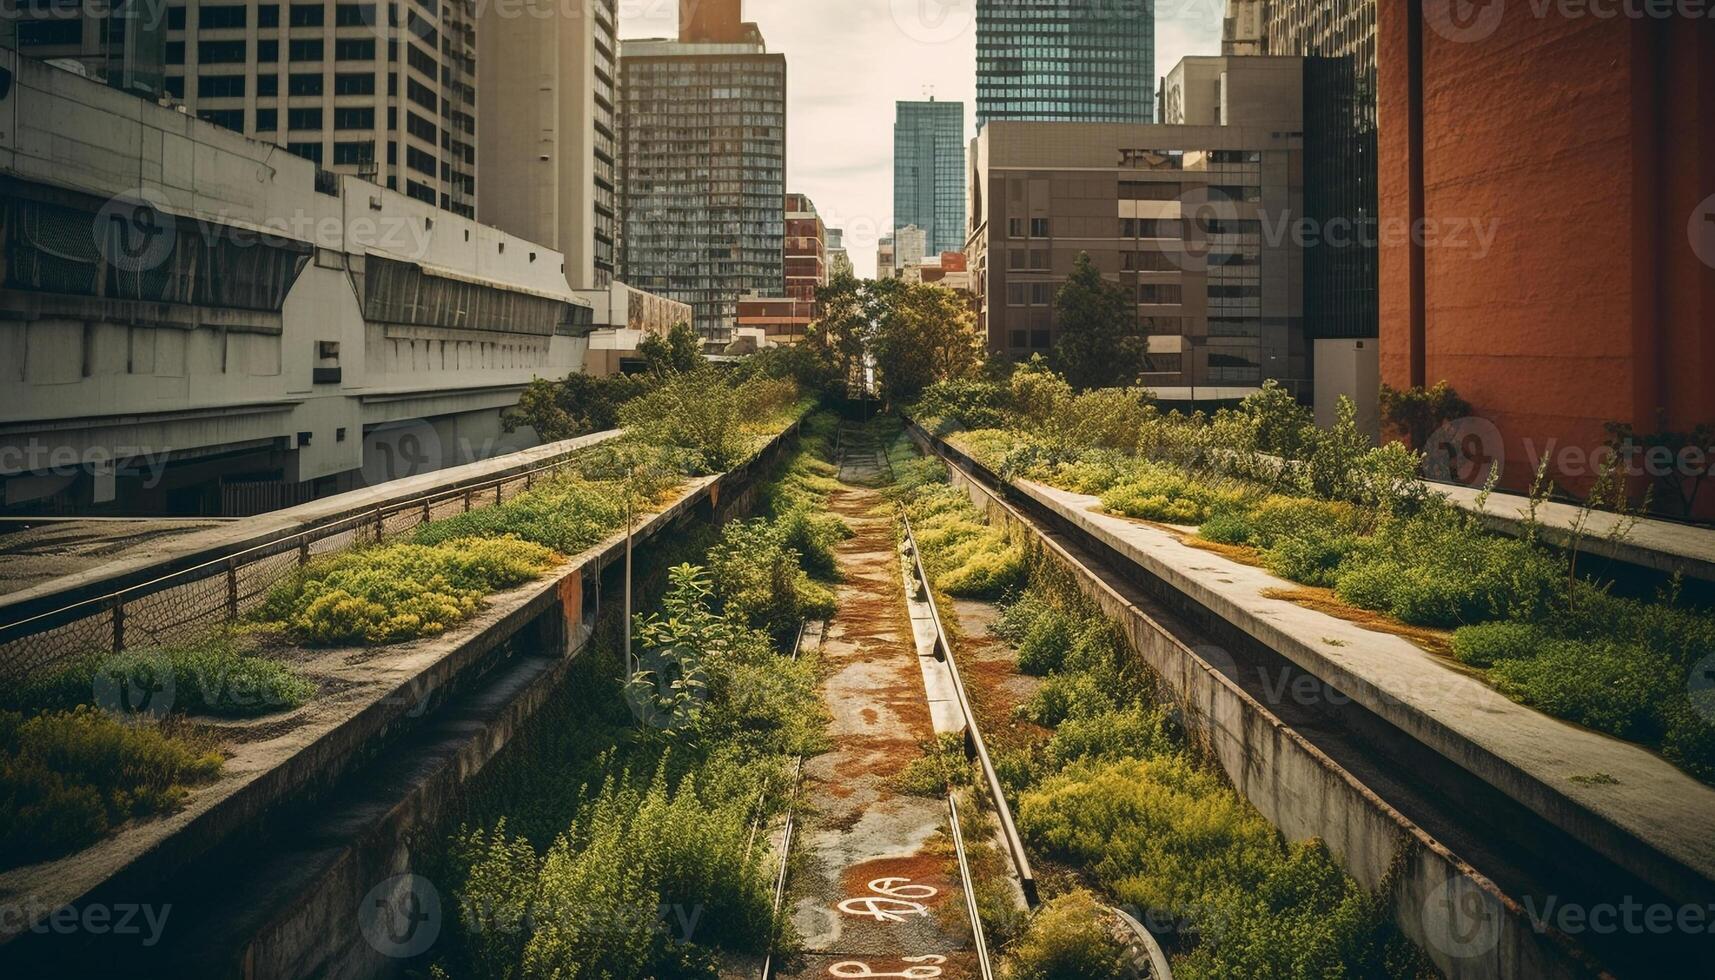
<point>848,61</point>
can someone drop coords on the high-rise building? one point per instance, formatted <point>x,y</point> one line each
<point>385,90</point>
<point>1337,39</point>
<point>1174,214</point>
<point>929,171</point>
<point>703,164</point>
<point>785,319</point>
<point>839,260</point>
<point>545,143</point>
<point>1065,60</point>
<point>120,42</point>
<point>910,245</point>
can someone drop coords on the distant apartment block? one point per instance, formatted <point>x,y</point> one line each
<point>785,319</point>
<point>703,165</point>
<point>839,260</point>
<point>1065,61</point>
<point>929,171</point>
<point>884,258</point>
<point>910,245</point>
<point>546,146</point>
<point>1184,218</point>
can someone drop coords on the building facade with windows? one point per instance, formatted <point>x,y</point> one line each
<point>785,319</point>
<point>119,42</point>
<point>703,166</point>
<point>1065,61</point>
<point>546,145</point>
<point>1186,219</point>
<point>929,171</point>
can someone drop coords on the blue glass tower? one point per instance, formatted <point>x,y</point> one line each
<point>1066,60</point>
<point>929,172</point>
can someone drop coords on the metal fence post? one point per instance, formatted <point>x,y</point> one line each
<point>232,588</point>
<point>118,624</point>
<point>303,549</point>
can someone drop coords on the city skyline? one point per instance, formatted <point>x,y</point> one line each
<point>845,83</point>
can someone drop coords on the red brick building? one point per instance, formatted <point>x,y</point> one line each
<point>1547,204</point>
<point>786,318</point>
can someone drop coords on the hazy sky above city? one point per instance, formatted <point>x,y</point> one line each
<point>848,61</point>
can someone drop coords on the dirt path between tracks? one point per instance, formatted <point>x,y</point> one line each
<point>872,894</point>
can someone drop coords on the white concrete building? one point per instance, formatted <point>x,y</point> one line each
<point>191,318</point>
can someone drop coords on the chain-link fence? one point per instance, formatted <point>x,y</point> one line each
<point>196,601</point>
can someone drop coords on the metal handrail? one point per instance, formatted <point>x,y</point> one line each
<point>978,939</point>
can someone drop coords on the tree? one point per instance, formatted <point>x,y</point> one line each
<point>923,333</point>
<point>1100,343</point>
<point>679,352</point>
<point>842,332</point>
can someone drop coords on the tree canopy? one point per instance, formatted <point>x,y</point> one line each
<point>1100,344</point>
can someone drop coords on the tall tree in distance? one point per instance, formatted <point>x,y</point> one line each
<point>924,333</point>
<point>1100,343</point>
<point>842,332</point>
<point>679,352</point>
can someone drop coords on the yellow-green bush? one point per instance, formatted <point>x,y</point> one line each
<point>217,676</point>
<point>1069,938</point>
<point>396,592</point>
<point>68,777</point>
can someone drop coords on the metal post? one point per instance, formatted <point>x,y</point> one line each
<point>118,624</point>
<point>232,588</point>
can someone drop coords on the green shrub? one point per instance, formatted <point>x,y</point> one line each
<point>1042,647</point>
<point>1614,687</point>
<point>1440,569</point>
<point>396,592</point>
<point>1069,938</point>
<point>1228,527</point>
<point>1486,644</point>
<point>1069,695</point>
<point>1133,732</point>
<point>702,415</point>
<point>961,403</point>
<point>761,580</point>
<point>1161,492</point>
<point>1689,740</point>
<point>567,514</point>
<point>1307,920</point>
<point>214,677</point>
<point>615,894</point>
<point>1158,833</point>
<point>68,777</point>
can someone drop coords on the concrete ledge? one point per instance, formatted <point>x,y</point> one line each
<point>389,687</point>
<point>194,549</point>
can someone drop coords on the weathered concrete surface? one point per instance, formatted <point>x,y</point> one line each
<point>171,554</point>
<point>35,552</point>
<point>1467,925</point>
<point>875,885</point>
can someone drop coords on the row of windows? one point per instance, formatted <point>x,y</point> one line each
<point>222,16</point>
<point>301,49</point>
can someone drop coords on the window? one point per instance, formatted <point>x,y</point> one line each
<point>175,85</point>
<point>267,120</point>
<point>305,118</point>
<point>421,192</point>
<point>1234,327</point>
<point>419,127</point>
<point>354,117</point>
<point>1041,294</point>
<point>1160,228</point>
<point>220,86</point>
<point>220,52</point>
<point>267,52</point>
<point>1228,226</point>
<point>175,18</point>
<point>419,161</point>
<point>420,60</point>
<point>309,151</point>
<point>1039,339</point>
<point>354,83</point>
<point>1038,227</point>
<point>354,14</point>
<point>1160,293</point>
<point>1150,261</point>
<point>1168,326</point>
<point>352,153</point>
<point>304,84</point>
<point>268,84</point>
<point>303,49</point>
<point>1235,192</point>
<point>1235,156</point>
<point>230,118</point>
<point>1015,227</point>
<point>419,93</point>
<point>1235,292</point>
<point>306,15</point>
<point>43,32</point>
<point>175,53</point>
<point>214,17</point>
<point>268,15</point>
<point>1163,363</point>
<point>1018,338</point>
<point>1017,294</point>
<point>1149,190</point>
<point>1232,367</point>
<point>354,49</point>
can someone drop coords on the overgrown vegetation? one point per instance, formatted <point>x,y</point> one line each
<point>1070,938</point>
<point>963,555</point>
<point>617,838</point>
<point>69,777</point>
<point>1325,508</point>
<point>220,676</point>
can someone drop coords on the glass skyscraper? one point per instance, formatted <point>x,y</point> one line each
<point>1066,60</point>
<point>929,172</point>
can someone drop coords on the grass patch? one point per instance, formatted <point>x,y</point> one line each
<point>395,592</point>
<point>218,677</point>
<point>67,778</point>
<point>1069,938</point>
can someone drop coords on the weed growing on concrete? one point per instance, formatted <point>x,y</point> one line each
<point>219,676</point>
